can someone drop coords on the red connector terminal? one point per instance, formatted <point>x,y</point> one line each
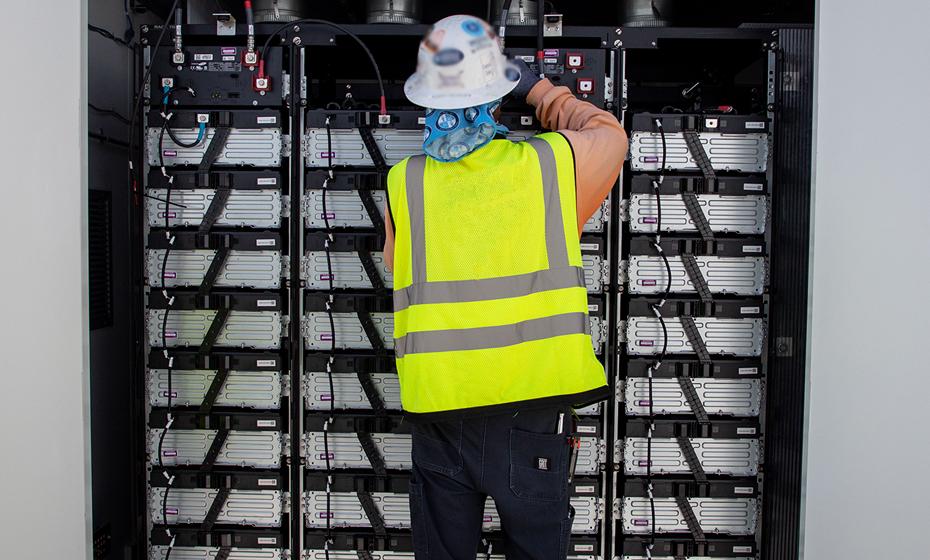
<point>261,83</point>
<point>250,58</point>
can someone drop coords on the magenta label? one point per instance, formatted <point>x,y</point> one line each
<point>327,155</point>
<point>326,276</point>
<point>642,403</point>
<point>646,343</point>
<point>229,50</point>
<point>327,456</point>
<point>651,159</point>
<point>174,394</point>
<point>326,397</point>
<point>169,453</point>
<point>649,221</point>
<point>640,522</point>
<point>488,518</point>
<point>169,153</point>
<point>328,216</point>
<point>551,52</point>
<point>325,515</point>
<point>171,334</point>
<point>169,274</point>
<point>647,282</point>
<point>644,463</point>
<point>326,336</point>
<point>171,511</point>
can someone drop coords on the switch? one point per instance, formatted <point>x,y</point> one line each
<point>585,85</point>
<point>574,60</point>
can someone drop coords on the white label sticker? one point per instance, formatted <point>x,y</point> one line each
<point>421,120</point>
<point>551,60</point>
<point>749,310</point>
<point>587,429</point>
<point>203,57</point>
<point>265,242</point>
<point>590,246</point>
<point>584,548</point>
<point>267,482</point>
<point>266,120</point>
<point>266,423</point>
<point>266,303</point>
<point>593,307</point>
<point>742,549</point>
<point>748,371</point>
<point>266,181</point>
<point>752,186</point>
<point>229,58</point>
<point>743,490</point>
<point>266,363</point>
<point>752,248</point>
<point>584,489</point>
<point>267,540</point>
<point>755,125</point>
<point>745,431</point>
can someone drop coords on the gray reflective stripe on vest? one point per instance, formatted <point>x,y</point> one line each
<point>489,288</point>
<point>491,337</point>
<point>416,167</point>
<point>555,228</point>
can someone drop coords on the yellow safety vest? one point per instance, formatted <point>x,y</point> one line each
<point>490,304</point>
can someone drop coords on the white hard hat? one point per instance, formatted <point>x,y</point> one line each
<point>460,64</point>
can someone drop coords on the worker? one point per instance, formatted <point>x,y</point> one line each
<point>491,329</point>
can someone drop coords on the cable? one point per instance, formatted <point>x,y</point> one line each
<point>108,112</point>
<point>540,24</point>
<point>279,29</point>
<point>138,94</point>
<point>502,28</point>
<point>657,311</point>
<point>103,32</point>
<point>332,327</point>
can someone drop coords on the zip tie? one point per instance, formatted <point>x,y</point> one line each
<point>171,362</point>
<point>165,353</point>
<point>327,121</point>
<point>649,490</point>
<point>331,174</point>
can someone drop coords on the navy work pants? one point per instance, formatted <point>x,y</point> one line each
<point>521,460</point>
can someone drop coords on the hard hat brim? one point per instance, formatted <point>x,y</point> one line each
<point>419,93</point>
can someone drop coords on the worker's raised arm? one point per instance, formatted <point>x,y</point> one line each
<point>598,142</point>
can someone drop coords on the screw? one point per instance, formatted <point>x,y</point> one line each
<point>297,41</point>
<point>145,28</point>
<point>618,43</point>
<point>618,31</point>
<point>774,45</point>
<point>255,101</point>
<point>332,39</point>
<point>774,33</point>
<point>145,41</point>
<point>296,29</point>
<point>653,43</point>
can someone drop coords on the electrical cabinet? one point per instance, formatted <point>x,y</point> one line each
<point>271,423</point>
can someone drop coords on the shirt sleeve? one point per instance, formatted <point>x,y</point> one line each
<point>598,142</point>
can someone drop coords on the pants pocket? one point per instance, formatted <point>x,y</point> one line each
<point>438,447</point>
<point>538,465</point>
<point>418,522</point>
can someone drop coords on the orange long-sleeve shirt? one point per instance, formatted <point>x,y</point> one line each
<point>598,142</point>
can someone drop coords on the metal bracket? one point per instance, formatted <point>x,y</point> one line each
<point>696,277</point>
<point>697,152</point>
<point>219,320</point>
<point>694,463</point>
<point>694,337</point>
<point>690,519</point>
<point>371,511</point>
<point>692,398</point>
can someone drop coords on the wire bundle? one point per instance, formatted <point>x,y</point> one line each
<point>657,311</point>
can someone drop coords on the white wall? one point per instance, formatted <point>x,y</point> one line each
<point>868,445</point>
<point>43,430</point>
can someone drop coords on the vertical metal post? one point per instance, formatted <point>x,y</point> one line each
<point>295,296</point>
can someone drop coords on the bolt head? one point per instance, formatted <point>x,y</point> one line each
<point>297,41</point>
<point>618,43</point>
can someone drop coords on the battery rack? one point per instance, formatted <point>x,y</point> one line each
<point>273,423</point>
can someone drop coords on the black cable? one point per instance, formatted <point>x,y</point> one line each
<point>332,327</point>
<point>103,32</point>
<point>138,94</point>
<point>339,28</point>
<point>109,112</point>
<point>166,97</point>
